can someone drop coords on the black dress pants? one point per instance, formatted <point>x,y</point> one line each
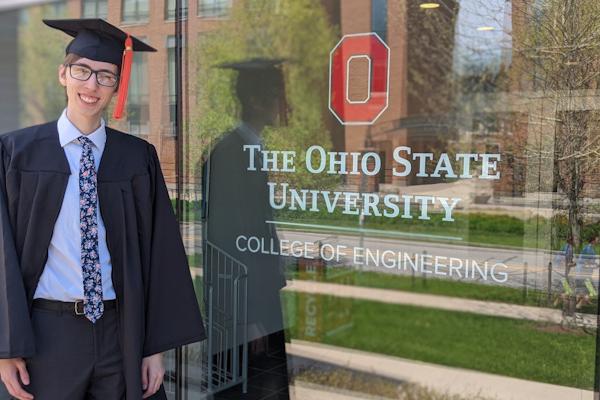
<point>75,359</point>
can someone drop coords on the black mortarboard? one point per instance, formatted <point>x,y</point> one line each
<point>257,74</point>
<point>253,65</point>
<point>96,39</point>
<point>259,81</point>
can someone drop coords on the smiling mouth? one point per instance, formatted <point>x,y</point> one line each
<point>88,99</point>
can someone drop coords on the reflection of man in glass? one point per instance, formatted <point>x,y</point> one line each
<point>238,204</point>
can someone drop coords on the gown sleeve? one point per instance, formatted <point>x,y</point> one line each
<point>16,331</point>
<point>173,315</point>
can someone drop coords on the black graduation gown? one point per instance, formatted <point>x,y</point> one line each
<point>158,307</point>
<point>238,204</point>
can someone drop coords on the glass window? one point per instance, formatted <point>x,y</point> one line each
<point>94,9</point>
<point>213,8</point>
<point>171,99</point>
<point>138,105</point>
<point>363,214</point>
<point>450,163</point>
<point>56,8</point>
<point>134,11</point>
<point>170,9</point>
<point>379,14</point>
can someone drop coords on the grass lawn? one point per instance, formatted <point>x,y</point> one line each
<point>468,237</point>
<point>474,229</point>
<point>442,287</point>
<point>510,347</point>
<point>466,290</point>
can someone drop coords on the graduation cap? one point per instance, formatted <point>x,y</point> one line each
<point>259,82</point>
<point>257,75</point>
<point>260,70</point>
<point>253,65</point>
<point>96,39</point>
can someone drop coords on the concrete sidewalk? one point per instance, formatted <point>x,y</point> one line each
<point>305,392</point>
<point>540,314</point>
<point>440,378</point>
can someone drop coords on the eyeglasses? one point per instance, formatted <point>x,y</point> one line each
<point>83,73</point>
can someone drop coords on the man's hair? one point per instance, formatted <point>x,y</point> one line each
<point>258,89</point>
<point>71,58</point>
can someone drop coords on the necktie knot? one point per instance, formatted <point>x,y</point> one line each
<point>84,141</point>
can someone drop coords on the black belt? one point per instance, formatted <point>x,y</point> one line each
<point>75,307</point>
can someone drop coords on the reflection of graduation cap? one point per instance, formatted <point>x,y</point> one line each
<point>98,40</point>
<point>253,65</point>
<point>259,83</point>
<point>257,76</point>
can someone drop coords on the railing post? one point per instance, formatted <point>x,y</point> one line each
<point>525,288</point>
<point>424,283</point>
<point>549,296</point>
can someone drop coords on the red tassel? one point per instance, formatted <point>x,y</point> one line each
<point>124,80</point>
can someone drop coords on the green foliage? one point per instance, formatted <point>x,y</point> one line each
<point>467,223</point>
<point>191,211</point>
<point>559,52</point>
<point>440,287</point>
<point>561,231</point>
<point>41,51</point>
<point>472,227</point>
<point>263,28</point>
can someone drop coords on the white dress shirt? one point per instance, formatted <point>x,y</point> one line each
<point>249,135</point>
<point>62,278</point>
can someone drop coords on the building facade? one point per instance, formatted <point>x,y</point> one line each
<point>379,198</point>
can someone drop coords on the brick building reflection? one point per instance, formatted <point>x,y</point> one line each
<point>435,103</point>
<point>421,45</point>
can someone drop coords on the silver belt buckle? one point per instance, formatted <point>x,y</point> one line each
<point>77,309</point>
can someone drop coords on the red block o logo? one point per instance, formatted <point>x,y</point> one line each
<point>368,46</point>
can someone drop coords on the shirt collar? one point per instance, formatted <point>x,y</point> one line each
<point>67,132</point>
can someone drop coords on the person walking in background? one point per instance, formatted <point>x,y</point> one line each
<point>566,256</point>
<point>586,261</point>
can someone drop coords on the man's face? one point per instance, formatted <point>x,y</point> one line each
<point>267,110</point>
<point>87,99</point>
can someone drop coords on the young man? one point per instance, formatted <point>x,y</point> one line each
<point>94,280</point>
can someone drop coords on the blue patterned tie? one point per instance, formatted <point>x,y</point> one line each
<point>90,260</point>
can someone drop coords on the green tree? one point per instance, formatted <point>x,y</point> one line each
<point>270,29</point>
<point>560,51</point>
<point>41,50</point>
